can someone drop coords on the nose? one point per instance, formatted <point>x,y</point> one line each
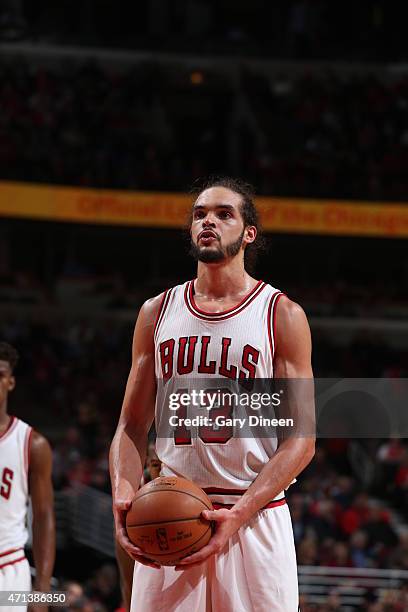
<point>208,220</point>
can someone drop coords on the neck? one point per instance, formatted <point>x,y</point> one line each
<point>4,417</point>
<point>223,279</point>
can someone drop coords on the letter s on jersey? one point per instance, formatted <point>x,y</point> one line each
<point>5,484</point>
<point>183,358</point>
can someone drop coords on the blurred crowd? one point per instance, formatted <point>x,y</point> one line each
<point>100,593</point>
<point>339,521</point>
<point>299,29</point>
<point>391,600</point>
<point>159,126</point>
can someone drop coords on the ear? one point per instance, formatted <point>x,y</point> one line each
<point>250,234</point>
<point>12,383</point>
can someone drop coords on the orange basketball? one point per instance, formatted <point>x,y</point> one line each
<point>165,520</point>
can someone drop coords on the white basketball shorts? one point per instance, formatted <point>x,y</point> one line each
<point>256,572</point>
<point>14,576</point>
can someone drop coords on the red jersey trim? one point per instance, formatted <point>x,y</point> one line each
<point>13,562</point>
<point>220,491</point>
<point>11,427</point>
<point>272,321</point>
<point>162,309</point>
<point>278,297</point>
<point>225,314</point>
<point>27,449</point>
<point>272,504</point>
<point>8,552</point>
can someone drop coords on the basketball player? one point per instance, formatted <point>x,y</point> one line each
<point>25,470</point>
<point>223,324</point>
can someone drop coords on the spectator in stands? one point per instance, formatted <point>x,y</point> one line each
<point>359,554</point>
<point>327,135</point>
<point>381,536</point>
<point>356,515</point>
<point>103,587</point>
<point>399,556</point>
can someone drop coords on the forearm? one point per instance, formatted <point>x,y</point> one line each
<point>291,457</point>
<point>126,461</point>
<point>126,566</point>
<point>43,549</point>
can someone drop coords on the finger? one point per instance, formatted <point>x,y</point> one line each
<point>122,506</point>
<point>123,538</point>
<point>147,562</point>
<point>120,525</point>
<point>128,546</point>
<point>120,515</point>
<point>212,515</point>
<point>198,557</point>
<point>136,553</point>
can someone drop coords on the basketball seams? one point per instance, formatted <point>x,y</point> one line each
<point>174,491</point>
<point>161,523</point>
<point>168,528</point>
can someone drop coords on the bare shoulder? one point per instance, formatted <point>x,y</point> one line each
<point>145,325</point>
<point>151,308</point>
<point>40,452</point>
<point>292,335</point>
<point>289,314</point>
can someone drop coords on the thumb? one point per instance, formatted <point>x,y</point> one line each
<point>122,504</point>
<point>210,515</point>
<point>121,507</point>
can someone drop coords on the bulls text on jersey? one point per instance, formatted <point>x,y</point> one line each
<point>189,355</point>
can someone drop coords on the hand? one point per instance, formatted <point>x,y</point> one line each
<point>120,509</point>
<point>40,586</point>
<point>227,523</point>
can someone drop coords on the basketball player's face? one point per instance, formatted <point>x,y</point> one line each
<point>217,228</point>
<point>7,382</point>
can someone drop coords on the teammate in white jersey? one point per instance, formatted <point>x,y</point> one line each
<point>224,325</point>
<point>25,470</point>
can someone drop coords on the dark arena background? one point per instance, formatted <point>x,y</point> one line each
<point>109,112</point>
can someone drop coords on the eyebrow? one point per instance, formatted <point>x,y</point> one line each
<point>200,206</point>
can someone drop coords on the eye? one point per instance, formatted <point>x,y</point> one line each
<point>198,214</point>
<point>224,214</point>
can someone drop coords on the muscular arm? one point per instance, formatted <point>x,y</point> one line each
<point>294,452</point>
<point>128,449</point>
<point>42,499</point>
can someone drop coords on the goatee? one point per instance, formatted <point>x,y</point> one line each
<point>216,255</point>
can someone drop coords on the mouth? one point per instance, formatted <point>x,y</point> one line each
<point>207,236</point>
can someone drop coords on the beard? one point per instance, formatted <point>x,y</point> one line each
<point>218,254</point>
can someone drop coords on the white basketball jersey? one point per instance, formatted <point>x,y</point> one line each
<point>235,344</point>
<point>14,460</point>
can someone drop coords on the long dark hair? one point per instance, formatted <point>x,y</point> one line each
<point>250,215</point>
